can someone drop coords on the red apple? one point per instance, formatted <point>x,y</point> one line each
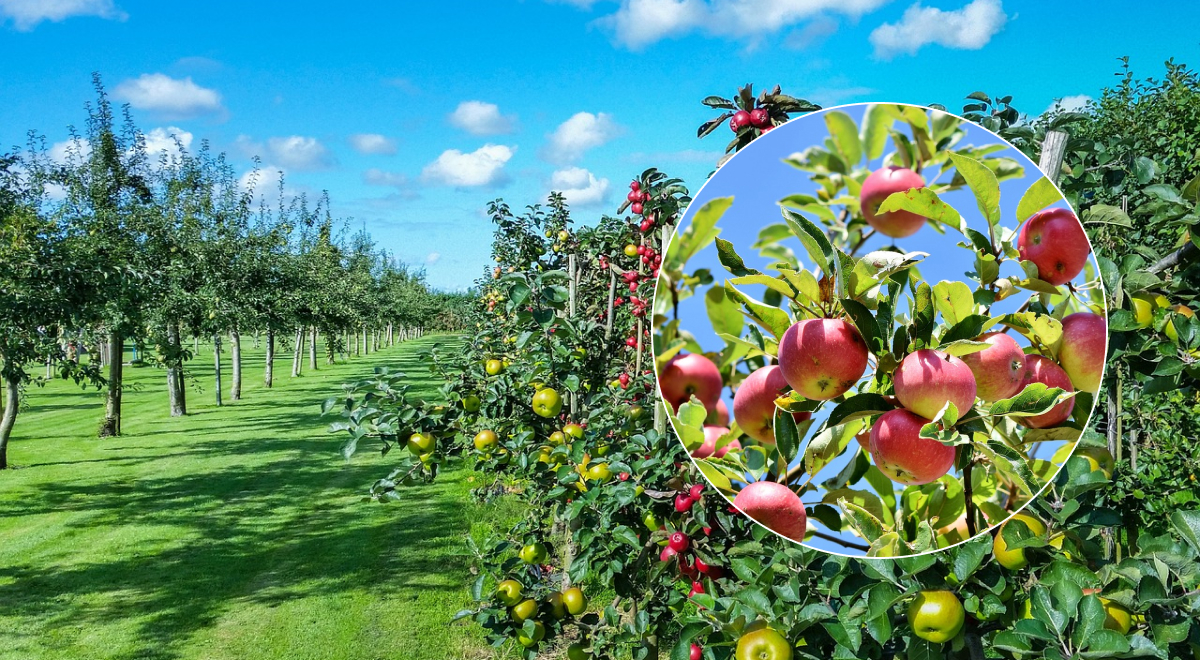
<point>759,117</point>
<point>1054,241</point>
<point>740,119</point>
<point>927,379</point>
<point>877,187</point>
<point>754,403</point>
<point>821,358</point>
<point>1084,342</point>
<point>999,369</point>
<point>1040,369</point>
<point>775,506</point>
<point>690,374</point>
<point>719,416</point>
<point>902,454</point>
<point>711,435</point>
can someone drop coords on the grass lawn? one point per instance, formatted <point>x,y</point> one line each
<point>235,532</point>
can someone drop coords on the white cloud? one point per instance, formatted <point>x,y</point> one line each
<point>26,14</point>
<point>432,258</point>
<point>969,28</point>
<point>378,177</point>
<point>482,167</point>
<point>298,152</point>
<point>812,34</point>
<point>264,184</point>
<point>576,135</point>
<point>639,23</point>
<point>161,139</point>
<point>1075,103</point>
<point>480,118</point>
<point>579,186</point>
<point>373,143</point>
<point>172,98</point>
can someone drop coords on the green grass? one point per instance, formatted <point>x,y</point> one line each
<point>235,532</point>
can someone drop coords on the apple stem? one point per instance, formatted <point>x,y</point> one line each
<point>841,541</point>
<point>861,240</point>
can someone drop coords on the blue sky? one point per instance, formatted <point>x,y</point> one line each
<point>455,106</point>
<point>757,178</point>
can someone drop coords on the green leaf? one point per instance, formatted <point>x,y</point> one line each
<point>859,406</point>
<point>702,230</point>
<point>772,283</point>
<point>823,448</point>
<point>1103,214</point>
<point>773,319</point>
<point>1187,523</point>
<point>1038,196</point>
<point>925,203</point>
<point>868,526</point>
<point>819,249</point>
<point>982,181</point>
<point>923,315</point>
<point>867,326</point>
<point>731,260</point>
<point>1035,399</point>
<point>867,500</point>
<point>723,312</point>
<point>953,300</point>
<point>787,438</point>
<point>876,123</point>
<point>844,132</point>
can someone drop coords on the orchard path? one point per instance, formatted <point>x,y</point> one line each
<point>235,532</point>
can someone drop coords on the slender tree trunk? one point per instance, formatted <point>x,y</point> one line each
<point>269,369</point>
<point>312,350</point>
<point>196,345</point>
<point>330,348</point>
<point>366,347</point>
<point>12,398</point>
<point>298,354</point>
<point>217,367</point>
<point>235,355</point>
<point>257,339</point>
<point>175,389</point>
<point>112,403</point>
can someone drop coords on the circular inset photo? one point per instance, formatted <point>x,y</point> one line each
<point>879,330</point>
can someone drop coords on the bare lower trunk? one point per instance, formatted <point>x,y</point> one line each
<point>12,397</point>
<point>217,367</point>
<point>235,355</point>
<point>312,350</point>
<point>330,348</point>
<point>175,389</point>
<point>112,403</point>
<point>269,369</point>
<point>298,353</point>
<point>365,345</point>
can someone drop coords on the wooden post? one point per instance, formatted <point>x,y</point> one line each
<point>1054,150</point>
<point>571,266</point>
<point>612,291</point>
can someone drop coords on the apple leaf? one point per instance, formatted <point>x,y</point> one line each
<point>731,260</point>
<point>702,231</point>
<point>867,326</point>
<point>1038,196</point>
<point>1187,523</point>
<point>773,283</point>
<point>925,203</point>
<point>868,526</point>
<point>858,406</point>
<point>819,249</point>
<point>1035,399</point>
<point>803,281</point>
<point>787,437</point>
<point>923,314</point>
<point>982,181</point>
<point>824,447</point>
<point>723,312</point>
<point>689,423</point>
<point>844,132</point>
<point>865,499</point>
<point>963,347</point>
<point>874,133</point>
<point>953,300</point>
<point>773,319</point>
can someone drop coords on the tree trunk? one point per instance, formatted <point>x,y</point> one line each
<point>112,403</point>
<point>330,347</point>
<point>269,370</point>
<point>298,353</point>
<point>217,367</point>
<point>12,398</point>
<point>312,350</point>
<point>175,389</point>
<point>235,355</point>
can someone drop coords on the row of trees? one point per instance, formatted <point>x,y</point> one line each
<point>108,244</point>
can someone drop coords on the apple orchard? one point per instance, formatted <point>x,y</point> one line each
<point>626,549</point>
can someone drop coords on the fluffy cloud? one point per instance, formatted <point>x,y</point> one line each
<point>576,135</point>
<point>969,28</point>
<point>26,14</point>
<point>579,186</point>
<point>373,143</point>
<point>298,152</point>
<point>160,140</point>
<point>482,167</point>
<point>171,98</point>
<point>639,23</point>
<point>432,258</point>
<point>1070,103</point>
<point>479,118</point>
<point>263,183</point>
<point>69,150</point>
